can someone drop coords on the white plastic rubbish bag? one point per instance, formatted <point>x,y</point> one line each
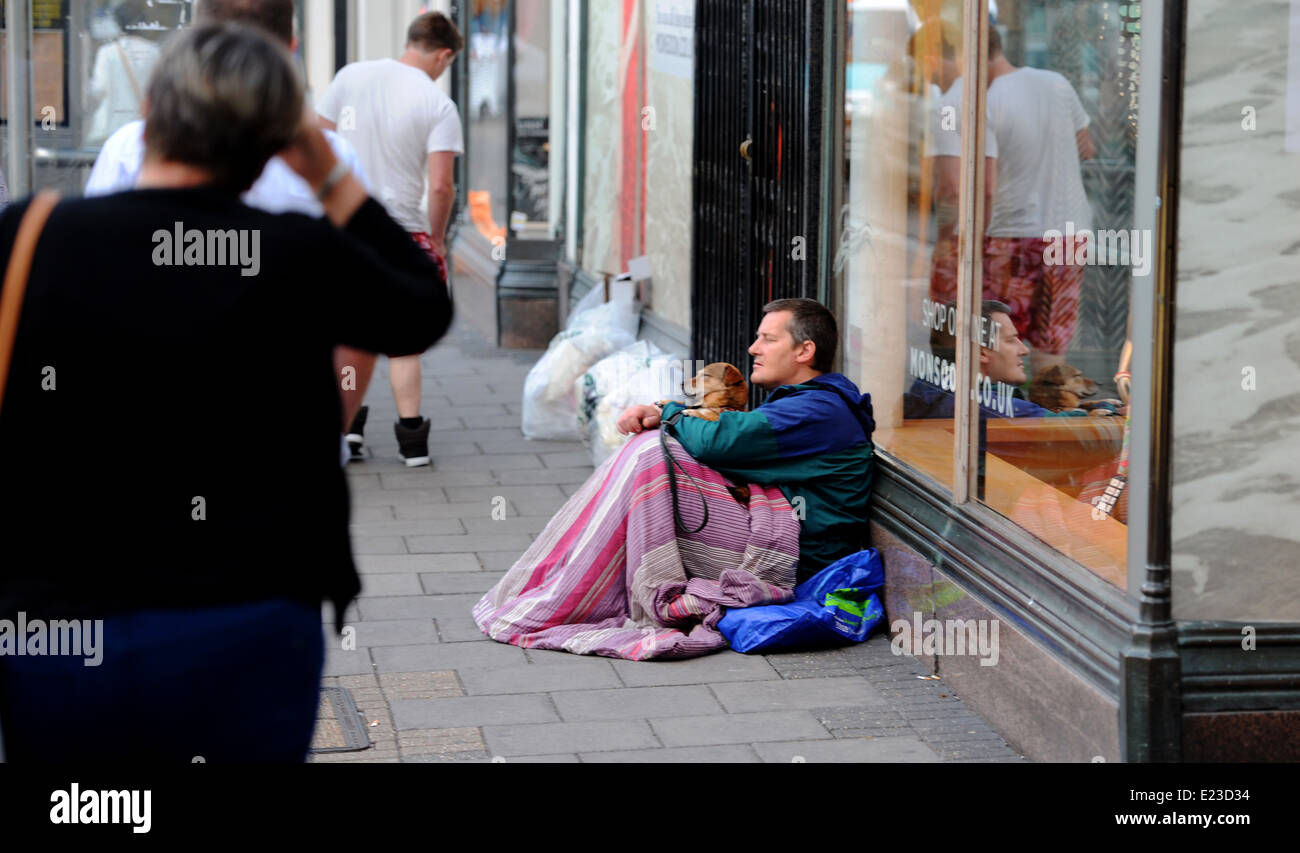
<point>550,410</point>
<point>640,373</point>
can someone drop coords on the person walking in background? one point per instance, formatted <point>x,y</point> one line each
<point>120,70</point>
<point>201,588</point>
<point>408,134</point>
<point>1040,132</point>
<point>278,189</point>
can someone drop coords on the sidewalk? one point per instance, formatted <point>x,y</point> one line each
<point>432,688</point>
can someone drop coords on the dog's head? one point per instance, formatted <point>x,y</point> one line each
<point>1067,378</point>
<point>718,386</point>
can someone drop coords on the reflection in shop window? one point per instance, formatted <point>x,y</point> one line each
<point>1059,256</point>
<point>487,110</point>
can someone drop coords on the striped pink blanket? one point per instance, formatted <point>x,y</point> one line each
<point>611,576</point>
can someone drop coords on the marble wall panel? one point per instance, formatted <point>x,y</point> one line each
<point>1236,417</point>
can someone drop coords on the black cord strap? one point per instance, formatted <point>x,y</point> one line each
<point>670,461</point>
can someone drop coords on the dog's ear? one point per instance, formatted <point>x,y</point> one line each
<point>1054,375</point>
<point>732,376</point>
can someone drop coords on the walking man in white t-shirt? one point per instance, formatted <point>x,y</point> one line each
<point>1040,134</point>
<point>406,132</point>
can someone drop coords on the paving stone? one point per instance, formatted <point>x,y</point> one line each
<point>362,514</point>
<point>468,542</point>
<point>401,607</point>
<point>440,741</point>
<point>456,629</point>
<point>378,545</point>
<point>546,506</point>
<point>498,561</point>
<point>567,459</point>
<point>872,716</point>
<point>379,585</point>
<point>635,703</point>
<point>444,656</point>
<point>734,754</point>
<point>395,632</point>
<point>409,527</point>
<point>723,666</point>
<point>340,662</point>
<point>565,476</point>
<point>510,493</point>
<point>803,693</point>
<point>461,510</point>
<point>440,475</point>
<point>413,563</point>
<point>450,583</point>
<point>538,678</point>
<point>560,758</point>
<point>888,750</point>
<point>549,738</point>
<point>359,481</point>
<point>397,498</point>
<point>530,525</point>
<point>739,728</point>
<point>420,685</point>
<point>357,681</point>
<point>472,711</point>
<point>500,462</point>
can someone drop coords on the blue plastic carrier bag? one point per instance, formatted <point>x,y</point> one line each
<point>836,606</point>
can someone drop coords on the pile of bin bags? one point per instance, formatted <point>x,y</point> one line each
<point>595,369</point>
<point>836,606</point>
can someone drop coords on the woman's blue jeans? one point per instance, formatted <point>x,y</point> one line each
<point>238,683</point>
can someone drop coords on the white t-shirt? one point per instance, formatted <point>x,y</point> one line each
<point>279,189</point>
<point>1034,116</point>
<point>396,116</point>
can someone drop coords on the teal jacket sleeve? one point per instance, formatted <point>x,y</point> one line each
<point>736,439</point>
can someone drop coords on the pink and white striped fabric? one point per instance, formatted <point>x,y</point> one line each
<point>610,576</point>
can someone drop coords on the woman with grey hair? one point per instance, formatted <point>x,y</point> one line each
<point>194,589</point>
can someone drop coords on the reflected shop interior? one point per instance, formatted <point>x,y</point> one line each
<point>1059,255</point>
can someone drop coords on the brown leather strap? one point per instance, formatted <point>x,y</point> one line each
<point>20,265</point>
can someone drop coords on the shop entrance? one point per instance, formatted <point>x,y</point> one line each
<point>759,102</point>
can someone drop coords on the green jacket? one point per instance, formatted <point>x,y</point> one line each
<point>813,442</point>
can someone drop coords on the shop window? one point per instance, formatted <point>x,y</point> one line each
<point>1059,253</point>
<point>488,45</point>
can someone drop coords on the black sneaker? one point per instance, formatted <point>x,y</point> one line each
<point>413,443</point>
<point>355,437</point>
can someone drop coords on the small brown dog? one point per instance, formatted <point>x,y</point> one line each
<point>717,388</point>
<point>1062,387</point>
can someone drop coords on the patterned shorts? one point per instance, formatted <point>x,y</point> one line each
<point>1043,297</point>
<point>424,241</point>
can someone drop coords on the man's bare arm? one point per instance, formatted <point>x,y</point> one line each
<point>442,192</point>
<point>947,171</point>
<point>1084,140</point>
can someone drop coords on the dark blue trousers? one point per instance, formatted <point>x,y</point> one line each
<point>228,684</point>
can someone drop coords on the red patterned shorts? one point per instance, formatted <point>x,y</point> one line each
<point>1043,297</point>
<point>424,241</point>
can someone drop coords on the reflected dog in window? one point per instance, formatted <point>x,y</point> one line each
<point>1063,387</point>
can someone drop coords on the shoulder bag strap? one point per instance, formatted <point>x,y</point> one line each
<point>20,265</point>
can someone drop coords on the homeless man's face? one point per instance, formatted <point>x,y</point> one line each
<point>778,360</point>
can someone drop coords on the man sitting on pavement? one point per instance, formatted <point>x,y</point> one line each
<point>811,438</point>
<point>639,564</point>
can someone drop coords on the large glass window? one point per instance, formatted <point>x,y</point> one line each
<point>1056,255</point>
<point>489,66</point>
<point>80,73</point>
